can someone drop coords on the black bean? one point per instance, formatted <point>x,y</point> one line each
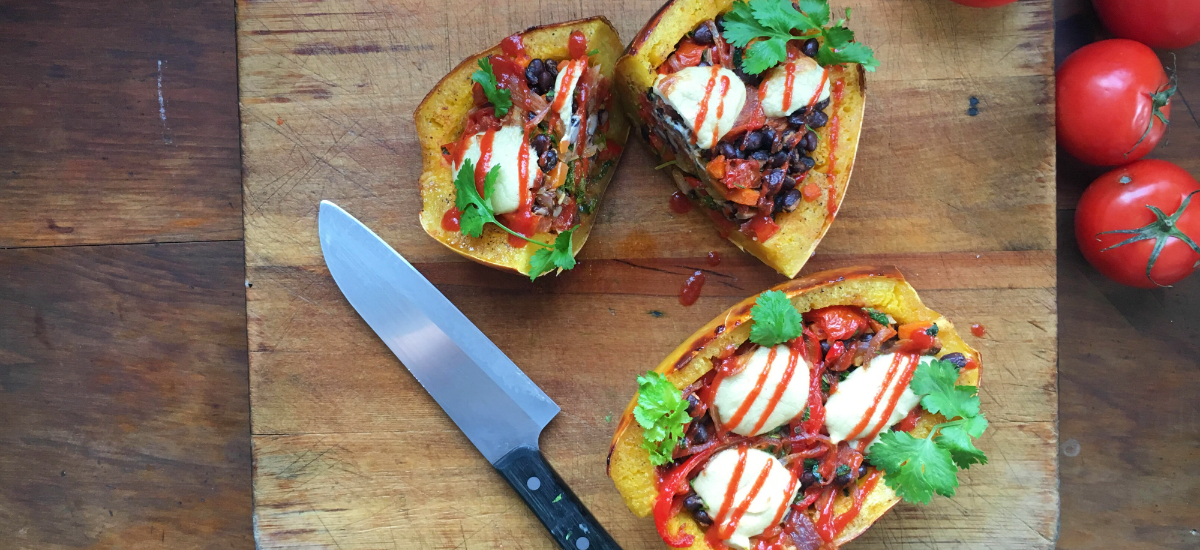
<point>693,502</point>
<point>844,478</point>
<point>548,160</point>
<point>540,143</point>
<point>824,347</point>
<point>700,434</point>
<point>821,105</point>
<point>778,160</point>
<point>791,200</point>
<point>807,163</point>
<point>552,66</point>
<point>959,360</point>
<point>546,83</point>
<point>777,203</point>
<point>793,158</point>
<point>720,21</point>
<point>817,119</point>
<point>753,141</point>
<point>810,47</point>
<point>798,119</point>
<point>703,35</point>
<point>702,518</point>
<point>867,337</point>
<point>774,181</point>
<point>862,469</point>
<point>693,402</point>
<point>807,478</point>
<point>810,140</point>
<point>727,150</point>
<point>760,155</point>
<point>789,183</point>
<point>768,134</point>
<point>533,73</point>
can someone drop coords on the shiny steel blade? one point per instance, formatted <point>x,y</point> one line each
<point>483,391</point>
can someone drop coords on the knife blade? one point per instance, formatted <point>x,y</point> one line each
<point>500,410</point>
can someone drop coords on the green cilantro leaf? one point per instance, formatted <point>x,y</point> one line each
<point>477,212</point>
<point>957,440</point>
<point>915,468</point>
<point>500,98</point>
<point>662,412</point>
<point>561,256</point>
<point>879,316</point>
<point>936,381</point>
<point>775,319</point>
<point>763,30</point>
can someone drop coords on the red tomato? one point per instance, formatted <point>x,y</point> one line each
<point>1167,24</point>
<point>984,3</point>
<point>1127,213</point>
<point>838,322</point>
<point>1114,101</point>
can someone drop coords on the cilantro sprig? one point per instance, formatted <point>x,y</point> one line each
<point>916,468</point>
<point>500,98</point>
<point>477,212</point>
<point>662,412</point>
<point>775,319</point>
<point>764,28</point>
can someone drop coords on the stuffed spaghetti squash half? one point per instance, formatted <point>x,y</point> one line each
<point>518,144</point>
<point>800,416</point>
<point>756,107</point>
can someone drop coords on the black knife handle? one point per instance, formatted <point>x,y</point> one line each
<point>568,521</point>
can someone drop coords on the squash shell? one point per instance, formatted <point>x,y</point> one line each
<point>440,119</point>
<point>799,231</point>
<point>881,288</point>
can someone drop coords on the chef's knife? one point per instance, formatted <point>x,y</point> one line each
<point>499,409</point>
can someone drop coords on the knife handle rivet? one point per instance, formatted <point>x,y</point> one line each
<point>582,543</point>
<point>533,483</point>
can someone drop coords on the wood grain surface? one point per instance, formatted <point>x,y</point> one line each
<point>123,398</point>
<point>120,122</point>
<point>1130,423</point>
<point>351,453</point>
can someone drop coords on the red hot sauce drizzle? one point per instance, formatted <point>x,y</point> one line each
<point>839,88</point>
<point>703,112</point>
<point>727,519</point>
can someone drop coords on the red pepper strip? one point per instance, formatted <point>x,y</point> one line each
<point>674,484</point>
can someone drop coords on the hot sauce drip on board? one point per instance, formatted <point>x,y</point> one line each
<point>679,203</point>
<point>691,288</point>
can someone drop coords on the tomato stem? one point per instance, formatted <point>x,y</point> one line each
<point>1159,100</point>
<point>1161,230</point>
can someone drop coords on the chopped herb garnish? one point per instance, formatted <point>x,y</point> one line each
<point>477,212</point>
<point>765,27</point>
<point>916,468</point>
<point>775,319</point>
<point>879,316</point>
<point>500,98</point>
<point>662,412</point>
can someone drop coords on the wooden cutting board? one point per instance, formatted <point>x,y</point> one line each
<point>350,453</point>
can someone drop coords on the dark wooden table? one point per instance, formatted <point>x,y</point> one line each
<point>124,418</point>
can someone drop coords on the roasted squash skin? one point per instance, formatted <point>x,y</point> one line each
<point>440,119</point>
<point>799,231</point>
<point>881,288</point>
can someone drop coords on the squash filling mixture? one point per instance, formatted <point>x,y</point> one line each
<point>532,147</point>
<point>736,108</point>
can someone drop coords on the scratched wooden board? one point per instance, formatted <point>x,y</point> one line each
<point>350,453</point>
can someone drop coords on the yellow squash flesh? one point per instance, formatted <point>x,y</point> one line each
<point>440,119</point>
<point>801,230</point>
<point>883,289</point>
